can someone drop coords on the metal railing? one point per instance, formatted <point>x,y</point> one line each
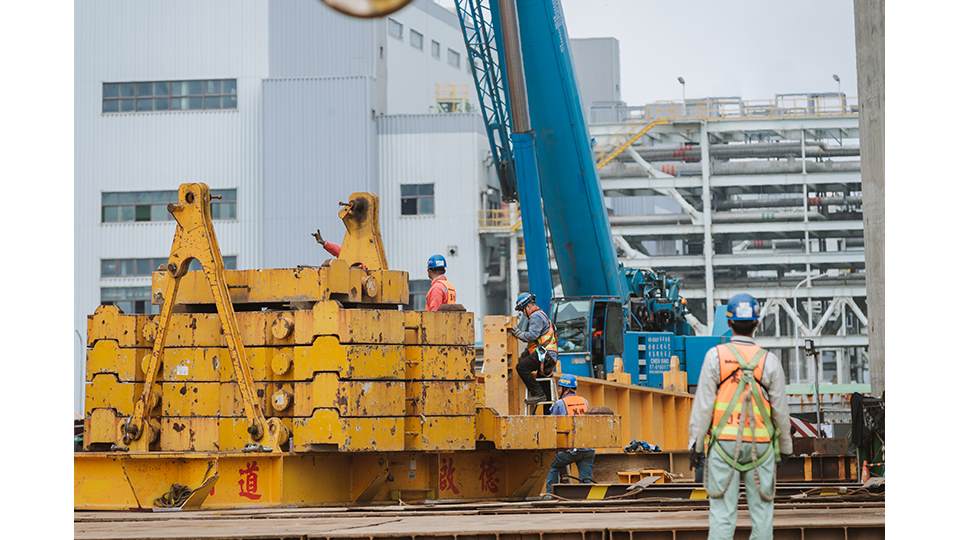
<point>722,108</point>
<point>499,220</point>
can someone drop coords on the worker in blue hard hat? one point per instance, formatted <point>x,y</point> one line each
<point>570,404</point>
<point>736,377</point>
<point>441,290</point>
<point>539,358</point>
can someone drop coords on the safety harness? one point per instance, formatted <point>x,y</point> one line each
<point>749,388</point>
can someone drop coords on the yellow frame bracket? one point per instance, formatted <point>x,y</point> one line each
<point>362,243</point>
<point>195,239</point>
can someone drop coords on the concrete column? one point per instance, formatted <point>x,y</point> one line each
<point>869,25</point>
<point>707,221</point>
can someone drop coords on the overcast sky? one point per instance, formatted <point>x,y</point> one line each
<point>749,48</point>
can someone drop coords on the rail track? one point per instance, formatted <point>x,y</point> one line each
<point>857,516</point>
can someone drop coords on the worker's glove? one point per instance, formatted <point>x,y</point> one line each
<point>317,236</point>
<point>696,458</point>
<point>512,331</point>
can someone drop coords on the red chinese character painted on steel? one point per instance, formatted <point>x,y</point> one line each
<point>248,481</point>
<point>489,481</point>
<point>447,480</point>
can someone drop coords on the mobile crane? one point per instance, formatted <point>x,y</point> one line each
<point>521,61</point>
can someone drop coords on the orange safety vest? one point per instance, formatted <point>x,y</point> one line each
<point>451,292</point>
<point>576,405</point>
<point>734,358</point>
<point>547,340</point>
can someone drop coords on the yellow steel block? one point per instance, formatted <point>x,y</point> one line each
<point>341,281</point>
<point>108,323</point>
<point>393,286</point>
<point>191,399</point>
<point>433,398</point>
<point>349,325</point>
<point>101,427</point>
<point>517,432</point>
<point>439,432</point>
<point>193,364</point>
<point>588,431</point>
<point>105,391</point>
<point>106,356</point>
<point>438,328</point>
<point>327,354</point>
<point>443,362</point>
<point>325,428</point>
<point>178,434</point>
<point>248,286</point>
<point>231,401</point>
<point>348,397</point>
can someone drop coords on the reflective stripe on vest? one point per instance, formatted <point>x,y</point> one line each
<point>576,405</point>
<point>451,295</point>
<point>547,340</point>
<point>754,428</point>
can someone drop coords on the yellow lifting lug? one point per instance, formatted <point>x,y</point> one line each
<point>195,239</point>
<point>362,244</point>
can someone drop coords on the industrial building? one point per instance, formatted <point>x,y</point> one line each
<point>289,115</point>
<point>282,107</point>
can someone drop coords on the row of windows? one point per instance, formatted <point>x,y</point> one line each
<point>110,268</point>
<point>395,29</point>
<point>124,206</point>
<point>416,199</point>
<point>129,299</point>
<point>170,95</point>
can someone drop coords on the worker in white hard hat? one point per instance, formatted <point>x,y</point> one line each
<point>736,377</point>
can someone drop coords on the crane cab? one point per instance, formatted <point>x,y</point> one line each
<point>590,334</point>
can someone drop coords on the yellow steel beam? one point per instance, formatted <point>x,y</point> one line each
<point>605,160</point>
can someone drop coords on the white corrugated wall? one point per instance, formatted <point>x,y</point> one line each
<point>447,150</point>
<point>320,146</point>
<point>150,40</point>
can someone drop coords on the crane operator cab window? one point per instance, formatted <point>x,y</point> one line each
<point>590,326</point>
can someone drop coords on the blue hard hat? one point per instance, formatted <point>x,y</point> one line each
<point>523,299</point>
<point>436,261</point>
<point>743,307</point>
<point>567,381</point>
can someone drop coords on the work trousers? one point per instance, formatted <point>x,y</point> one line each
<point>583,457</point>
<point>529,368</point>
<point>722,477</point>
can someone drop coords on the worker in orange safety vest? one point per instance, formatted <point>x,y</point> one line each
<point>570,404</point>
<point>740,418</point>
<point>441,290</point>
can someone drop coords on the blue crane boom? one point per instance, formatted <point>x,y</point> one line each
<point>541,149</point>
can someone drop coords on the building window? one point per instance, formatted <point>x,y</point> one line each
<point>453,58</point>
<point>416,39</point>
<point>112,268</point>
<point>435,49</point>
<point>418,294</point>
<point>416,199</point>
<point>395,28</point>
<point>129,299</point>
<point>120,97</point>
<point>123,206</point>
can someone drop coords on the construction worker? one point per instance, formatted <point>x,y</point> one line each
<point>332,247</point>
<point>736,377</point>
<point>540,356</point>
<point>570,404</point>
<point>441,290</point>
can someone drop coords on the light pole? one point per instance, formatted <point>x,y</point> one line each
<point>839,93</point>
<point>683,93</point>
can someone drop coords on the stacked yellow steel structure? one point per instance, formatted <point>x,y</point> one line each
<point>297,386</point>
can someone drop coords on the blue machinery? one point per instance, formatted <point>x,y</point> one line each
<point>541,150</point>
